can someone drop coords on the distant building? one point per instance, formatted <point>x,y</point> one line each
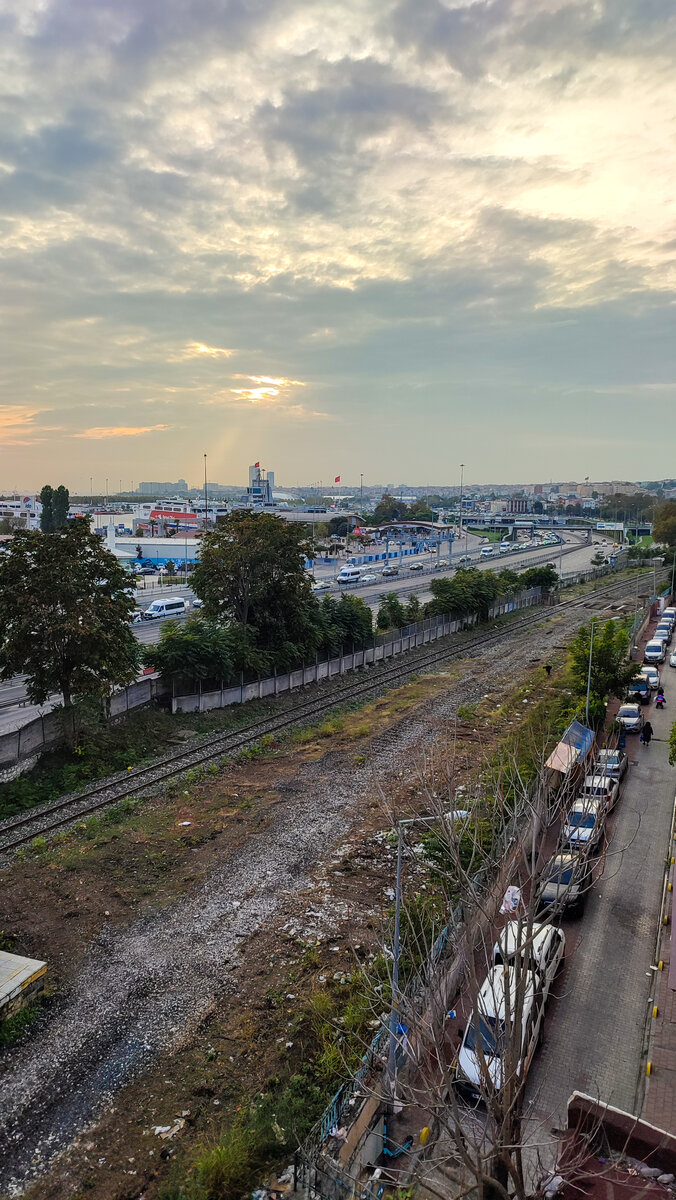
<point>517,504</point>
<point>162,489</point>
<point>261,483</point>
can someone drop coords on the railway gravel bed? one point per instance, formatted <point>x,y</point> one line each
<point>144,987</point>
<point>21,829</point>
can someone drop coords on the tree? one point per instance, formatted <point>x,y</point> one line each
<point>252,570</point>
<point>171,567</point>
<point>61,504</point>
<point>344,622</point>
<point>202,649</point>
<point>47,514</point>
<point>611,673</point>
<point>664,525</point>
<point>338,527</point>
<point>391,614</point>
<point>389,509</point>
<point>64,612</point>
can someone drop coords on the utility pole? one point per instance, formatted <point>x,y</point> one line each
<point>206,497</point>
<point>361,490</point>
<point>462,481</point>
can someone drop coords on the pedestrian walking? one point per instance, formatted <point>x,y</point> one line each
<point>647,733</point>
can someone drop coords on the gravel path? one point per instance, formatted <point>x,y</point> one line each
<point>144,987</point>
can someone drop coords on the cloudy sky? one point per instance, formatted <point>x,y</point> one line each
<point>336,236</point>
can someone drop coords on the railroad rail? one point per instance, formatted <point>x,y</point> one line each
<point>19,830</point>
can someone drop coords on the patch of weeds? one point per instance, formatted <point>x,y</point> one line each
<point>360,731</point>
<point>467,712</point>
<point>14,1027</point>
<point>359,760</point>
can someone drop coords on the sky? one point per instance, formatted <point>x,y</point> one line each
<point>367,236</point>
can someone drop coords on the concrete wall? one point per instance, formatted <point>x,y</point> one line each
<point>383,647</point>
<point>20,748</point>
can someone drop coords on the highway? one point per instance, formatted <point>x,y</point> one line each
<point>15,711</point>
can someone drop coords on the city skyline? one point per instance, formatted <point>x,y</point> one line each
<point>412,234</point>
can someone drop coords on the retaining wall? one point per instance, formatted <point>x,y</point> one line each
<point>383,647</point>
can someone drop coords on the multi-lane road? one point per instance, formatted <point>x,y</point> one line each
<point>16,711</point>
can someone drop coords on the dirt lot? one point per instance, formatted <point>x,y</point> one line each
<point>184,937</point>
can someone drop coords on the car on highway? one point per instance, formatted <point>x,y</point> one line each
<point>613,763</point>
<point>631,718</point>
<point>136,618</point>
<point>388,572</point>
<point>320,585</point>
<point>564,884</point>
<point>369,577</point>
<point>417,566</point>
<point>583,825</point>
<point>197,603</point>
<point>171,606</point>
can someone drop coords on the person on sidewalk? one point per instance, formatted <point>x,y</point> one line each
<point>647,733</point>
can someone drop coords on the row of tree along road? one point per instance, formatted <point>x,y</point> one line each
<point>66,607</point>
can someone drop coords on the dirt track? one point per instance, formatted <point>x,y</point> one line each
<point>144,987</point>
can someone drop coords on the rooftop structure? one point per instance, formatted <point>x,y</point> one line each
<point>21,980</point>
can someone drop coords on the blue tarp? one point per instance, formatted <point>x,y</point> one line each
<point>580,737</point>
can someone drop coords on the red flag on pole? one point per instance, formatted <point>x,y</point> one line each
<point>257,464</point>
<point>337,479</point>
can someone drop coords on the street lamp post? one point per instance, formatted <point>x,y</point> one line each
<point>361,490</point>
<point>462,480</point>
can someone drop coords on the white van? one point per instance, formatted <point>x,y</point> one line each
<point>655,651</point>
<point>542,951</point>
<point>349,575</point>
<point>173,606</point>
<point>479,1065</point>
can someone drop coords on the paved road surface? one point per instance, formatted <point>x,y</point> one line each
<point>595,1026</point>
<point>14,711</point>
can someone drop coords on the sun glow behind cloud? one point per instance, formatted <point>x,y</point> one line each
<point>470,203</point>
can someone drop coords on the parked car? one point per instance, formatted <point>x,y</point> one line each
<point>603,788</point>
<point>613,763</point>
<point>564,884</point>
<point>664,631</point>
<point>542,951</point>
<point>389,571</point>
<point>651,675</point>
<point>655,651</point>
<point>639,691</point>
<point>583,825</point>
<point>672,660</point>
<point>631,718</point>
<point>147,571</point>
<point>478,1067</point>
<point>416,566</point>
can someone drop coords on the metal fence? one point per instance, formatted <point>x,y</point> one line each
<point>382,647</point>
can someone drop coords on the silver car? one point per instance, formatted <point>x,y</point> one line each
<point>631,718</point>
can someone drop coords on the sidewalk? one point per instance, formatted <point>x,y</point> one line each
<point>596,1030</point>
<point>657,1091</point>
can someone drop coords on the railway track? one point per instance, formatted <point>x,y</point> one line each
<point>19,830</point>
